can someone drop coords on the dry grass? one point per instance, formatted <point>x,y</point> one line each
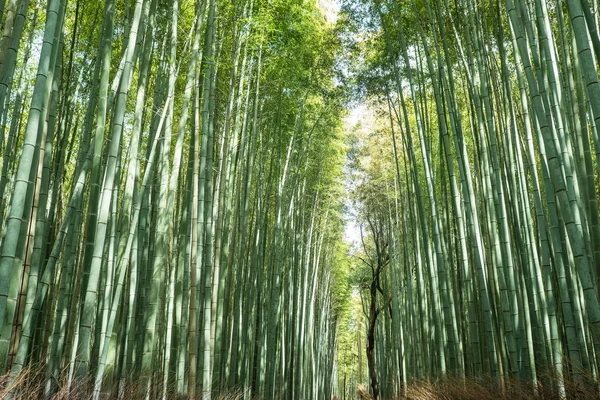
<point>363,393</point>
<point>30,386</point>
<point>488,389</point>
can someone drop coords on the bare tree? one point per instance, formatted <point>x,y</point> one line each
<point>376,258</point>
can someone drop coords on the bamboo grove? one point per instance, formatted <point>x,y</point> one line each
<point>167,225</point>
<point>477,194</point>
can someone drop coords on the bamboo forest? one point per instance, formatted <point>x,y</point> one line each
<point>299,199</point>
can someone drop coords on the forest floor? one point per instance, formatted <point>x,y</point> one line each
<point>488,389</point>
<point>30,385</point>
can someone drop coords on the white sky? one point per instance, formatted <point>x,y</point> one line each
<point>330,8</point>
<point>359,114</point>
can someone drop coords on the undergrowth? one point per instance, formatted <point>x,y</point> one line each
<point>30,385</point>
<point>488,389</point>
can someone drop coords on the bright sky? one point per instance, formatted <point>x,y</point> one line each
<point>330,8</point>
<point>358,114</point>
